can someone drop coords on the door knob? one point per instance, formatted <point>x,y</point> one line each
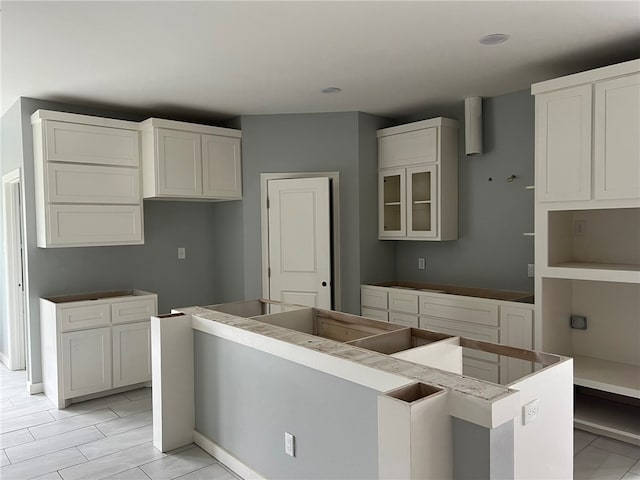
<point>324,284</point>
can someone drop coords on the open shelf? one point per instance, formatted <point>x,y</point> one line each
<point>607,417</point>
<point>599,239</point>
<point>614,377</point>
<point>594,271</point>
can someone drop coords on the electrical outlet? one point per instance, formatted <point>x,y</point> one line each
<point>579,227</point>
<point>531,270</point>
<point>289,444</point>
<point>421,263</point>
<point>182,253</point>
<point>530,411</point>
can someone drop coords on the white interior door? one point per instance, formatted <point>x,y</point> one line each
<point>16,331</point>
<point>300,241</point>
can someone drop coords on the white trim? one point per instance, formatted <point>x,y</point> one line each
<point>334,177</point>
<point>40,115</point>
<point>14,271</point>
<point>150,123</point>
<point>224,457</point>
<point>420,125</point>
<point>589,76</point>
<point>34,388</point>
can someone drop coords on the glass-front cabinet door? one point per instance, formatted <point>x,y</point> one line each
<point>422,197</point>
<point>392,200</point>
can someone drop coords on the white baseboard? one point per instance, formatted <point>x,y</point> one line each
<point>4,359</point>
<point>225,457</point>
<point>34,388</point>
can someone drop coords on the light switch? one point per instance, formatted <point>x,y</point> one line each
<point>182,253</point>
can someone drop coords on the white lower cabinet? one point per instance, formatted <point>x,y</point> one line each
<point>474,318</point>
<point>131,353</point>
<point>404,319</point>
<point>94,343</point>
<point>86,361</point>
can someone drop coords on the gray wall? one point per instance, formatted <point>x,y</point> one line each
<point>153,266</point>
<point>482,453</point>
<point>491,251</point>
<point>322,142</point>
<point>245,400</point>
<point>10,159</point>
<point>377,258</point>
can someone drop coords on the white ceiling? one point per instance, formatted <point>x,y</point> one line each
<point>221,59</point>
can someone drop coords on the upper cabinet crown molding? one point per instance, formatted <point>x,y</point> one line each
<point>418,181</point>
<point>190,162</point>
<point>39,115</point>
<point>590,76</point>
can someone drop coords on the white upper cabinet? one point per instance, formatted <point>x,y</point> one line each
<point>221,172</point>
<point>418,181</point>
<point>179,163</point>
<point>188,161</point>
<point>564,144</point>
<point>87,179</point>
<point>617,138</point>
<point>588,146</point>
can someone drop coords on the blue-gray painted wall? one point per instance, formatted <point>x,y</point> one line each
<point>491,251</point>
<point>246,399</point>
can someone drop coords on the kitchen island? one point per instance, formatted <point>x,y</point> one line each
<point>362,398</point>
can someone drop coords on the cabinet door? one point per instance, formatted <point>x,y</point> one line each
<point>75,183</point>
<point>179,167</point>
<point>616,138</point>
<point>221,167</point>
<point>422,202</point>
<point>86,362</point>
<point>563,144</point>
<point>516,330</point>
<point>392,203</point>
<point>72,142</point>
<point>409,148</point>
<point>131,353</point>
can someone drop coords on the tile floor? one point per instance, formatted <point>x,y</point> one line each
<point>104,438</point>
<point>111,438</point>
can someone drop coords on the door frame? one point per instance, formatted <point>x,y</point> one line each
<point>334,180</point>
<point>13,216</point>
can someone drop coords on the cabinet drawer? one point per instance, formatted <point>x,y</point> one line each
<point>72,142</point>
<point>74,318</point>
<point>401,319</point>
<point>459,309</point>
<point>373,297</point>
<point>466,330</point>
<point>403,302</point>
<point>79,225</point>
<point>382,315</point>
<point>133,310</point>
<point>409,148</point>
<point>70,183</point>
